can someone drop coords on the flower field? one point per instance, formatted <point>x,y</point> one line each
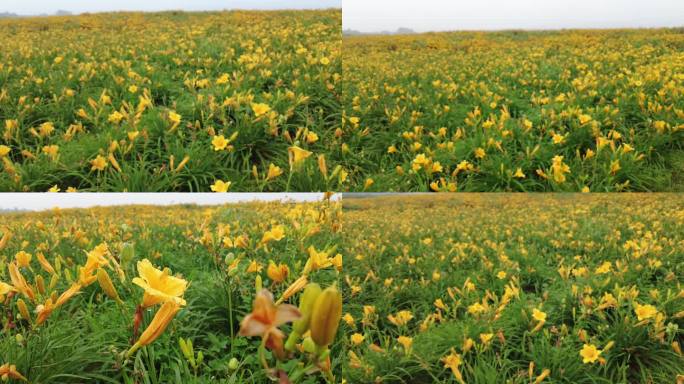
<point>508,288</point>
<point>185,294</point>
<point>170,101</point>
<point>515,111</point>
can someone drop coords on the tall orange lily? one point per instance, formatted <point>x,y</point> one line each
<point>159,323</point>
<point>265,319</point>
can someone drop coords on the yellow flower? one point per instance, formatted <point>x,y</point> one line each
<point>559,169</point>
<point>23,258</point>
<point>46,129</point>
<point>615,167</point>
<point>476,308</point>
<point>4,150</point>
<point>273,172</point>
<point>583,119</point>
<point>254,267</point>
<point>99,163</point>
<point>453,361</point>
<point>325,61</point>
<point>132,135</point>
<point>223,79</point>
<point>480,153</point>
<point>406,342</point>
<point>159,285</point>
<point>538,315</point>
<point>357,338</point>
<point>401,318</point>
<point>420,161</point>
<point>277,273</point>
<point>311,137</point>
<point>604,268</point>
<point>486,338</point>
<point>297,155</point>
<point>589,353</point>
<point>51,150</point>
<point>349,319</point>
<point>519,173</point>
<point>260,109</point>
<point>276,233</point>
<point>174,117</point>
<point>644,312</point>
<point>219,142</point>
<point>559,139</point>
<point>115,117</point>
<point>157,326</point>
<point>5,289</point>
<point>220,186</point>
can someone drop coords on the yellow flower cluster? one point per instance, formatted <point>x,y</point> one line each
<point>61,268</point>
<point>525,111</point>
<point>162,102</point>
<point>470,280</point>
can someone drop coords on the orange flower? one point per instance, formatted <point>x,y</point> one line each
<point>10,372</point>
<point>159,323</point>
<point>265,319</point>
<point>44,311</point>
<point>19,282</point>
<point>277,273</point>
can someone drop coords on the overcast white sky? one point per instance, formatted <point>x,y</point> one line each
<point>441,15</point>
<point>42,201</point>
<point>33,7</point>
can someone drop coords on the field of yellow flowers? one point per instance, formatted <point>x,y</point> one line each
<point>515,111</point>
<point>170,101</point>
<point>185,294</point>
<point>511,288</point>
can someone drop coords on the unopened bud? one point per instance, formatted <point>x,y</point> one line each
<point>23,310</point>
<point>106,285</point>
<point>325,317</point>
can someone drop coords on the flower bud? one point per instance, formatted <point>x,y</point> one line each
<point>23,310</point>
<point>53,281</point>
<point>306,303</point>
<point>233,364</point>
<point>106,285</point>
<point>325,317</point>
<point>127,253</point>
<point>258,284</point>
<point>40,284</point>
<point>308,345</point>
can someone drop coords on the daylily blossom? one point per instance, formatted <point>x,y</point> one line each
<point>159,285</point>
<point>265,319</point>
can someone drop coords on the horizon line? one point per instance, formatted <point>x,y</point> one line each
<point>79,13</point>
<point>511,29</point>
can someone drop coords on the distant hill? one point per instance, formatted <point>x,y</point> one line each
<point>351,32</point>
<point>10,15</point>
<point>399,31</point>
